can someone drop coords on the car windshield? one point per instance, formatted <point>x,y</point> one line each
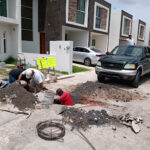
<point>96,50</point>
<point>127,51</point>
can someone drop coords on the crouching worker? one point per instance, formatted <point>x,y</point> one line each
<point>14,74</point>
<point>37,78</point>
<point>64,98</point>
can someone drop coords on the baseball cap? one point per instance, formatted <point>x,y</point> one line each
<point>28,74</point>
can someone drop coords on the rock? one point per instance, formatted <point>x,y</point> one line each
<point>114,128</point>
<point>135,127</point>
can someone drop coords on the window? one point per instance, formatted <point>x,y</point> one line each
<point>126,26</point>
<point>26,18</point>
<point>3,8</point>
<point>141,32</point>
<point>98,17</point>
<point>93,42</point>
<point>80,11</point>
<point>4,42</point>
<point>85,50</point>
<point>101,17</point>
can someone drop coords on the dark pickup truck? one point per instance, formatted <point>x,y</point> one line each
<point>125,62</point>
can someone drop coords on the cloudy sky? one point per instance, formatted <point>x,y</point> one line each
<point>140,9</point>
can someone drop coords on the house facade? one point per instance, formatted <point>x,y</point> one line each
<point>84,22</point>
<point>120,28</point>
<point>139,32</point>
<point>147,35</point>
<point>10,28</point>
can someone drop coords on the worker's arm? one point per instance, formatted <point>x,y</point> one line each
<point>19,78</point>
<point>41,87</point>
<point>58,98</point>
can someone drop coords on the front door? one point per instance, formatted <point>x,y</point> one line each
<point>42,43</point>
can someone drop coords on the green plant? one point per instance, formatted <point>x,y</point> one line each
<point>76,69</point>
<point>11,60</point>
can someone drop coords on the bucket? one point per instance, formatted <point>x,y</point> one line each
<point>49,97</point>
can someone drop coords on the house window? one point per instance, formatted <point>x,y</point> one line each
<point>4,42</point>
<point>80,11</point>
<point>141,32</point>
<point>98,17</point>
<point>93,42</point>
<point>101,17</point>
<point>3,8</point>
<point>126,26</point>
<point>26,18</point>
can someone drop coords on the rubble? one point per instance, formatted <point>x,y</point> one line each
<point>132,122</point>
<point>81,119</point>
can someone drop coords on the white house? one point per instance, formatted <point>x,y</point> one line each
<point>10,28</point>
<point>120,28</point>
<point>147,35</point>
<point>139,32</point>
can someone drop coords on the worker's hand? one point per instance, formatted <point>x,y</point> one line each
<point>42,91</point>
<point>17,81</point>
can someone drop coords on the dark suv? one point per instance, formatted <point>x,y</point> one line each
<point>125,62</point>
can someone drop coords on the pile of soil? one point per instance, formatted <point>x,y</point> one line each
<point>81,119</point>
<point>95,91</point>
<point>18,96</point>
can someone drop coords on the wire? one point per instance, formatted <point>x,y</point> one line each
<point>56,130</point>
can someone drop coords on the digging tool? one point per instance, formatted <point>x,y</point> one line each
<point>14,112</point>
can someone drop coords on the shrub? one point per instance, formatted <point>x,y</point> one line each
<point>11,60</point>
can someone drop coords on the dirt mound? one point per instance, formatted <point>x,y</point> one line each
<point>18,96</point>
<point>95,91</point>
<point>81,119</point>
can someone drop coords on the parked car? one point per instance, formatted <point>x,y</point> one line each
<point>125,62</point>
<point>86,55</point>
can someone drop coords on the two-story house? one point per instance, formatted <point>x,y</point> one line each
<point>85,22</point>
<point>139,31</point>
<point>10,29</point>
<point>120,28</point>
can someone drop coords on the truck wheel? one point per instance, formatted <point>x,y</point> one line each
<point>135,82</point>
<point>100,78</point>
<point>87,62</point>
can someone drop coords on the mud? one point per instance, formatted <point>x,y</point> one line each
<point>18,96</point>
<point>95,92</point>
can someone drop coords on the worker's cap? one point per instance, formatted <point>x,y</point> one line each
<point>59,92</point>
<point>28,74</point>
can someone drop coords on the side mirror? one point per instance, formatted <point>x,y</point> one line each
<point>107,53</point>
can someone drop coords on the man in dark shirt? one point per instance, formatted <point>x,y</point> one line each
<point>14,74</point>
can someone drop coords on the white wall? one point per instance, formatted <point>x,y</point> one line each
<point>80,38</point>
<point>11,9</point>
<point>135,30</point>
<point>58,49</point>
<point>101,42</point>
<point>63,51</point>
<point>33,46</point>
<point>115,25</point>
<point>147,34</point>
<point>11,41</point>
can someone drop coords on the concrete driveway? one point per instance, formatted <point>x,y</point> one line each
<point>19,133</point>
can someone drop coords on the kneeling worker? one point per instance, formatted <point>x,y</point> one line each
<point>36,76</point>
<point>64,97</point>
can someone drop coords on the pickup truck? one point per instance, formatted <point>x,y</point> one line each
<point>125,62</point>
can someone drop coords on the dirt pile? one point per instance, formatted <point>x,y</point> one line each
<point>18,96</point>
<point>95,91</point>
<point>81,119</point>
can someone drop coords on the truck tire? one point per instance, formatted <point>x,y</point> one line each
<point>101,78</point>
<point>135,82</point>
